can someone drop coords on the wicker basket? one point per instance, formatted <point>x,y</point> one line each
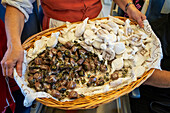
<point>88,102</point>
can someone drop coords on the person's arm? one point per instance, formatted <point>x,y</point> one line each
<point>159,79</point>
<point>14,22</point>
<point>132,11</point>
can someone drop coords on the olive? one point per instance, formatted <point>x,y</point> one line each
<point>59,45</point>
<point>67,92</point>
<point>97,67</point>
<point>107,73</point>
<point>63,96</point>
<point>103,68</point>
<point>100,82</point>
<point>94,84</point>
<point>67,53</point>
<point>76,75</point>
<point>89,84</point>
<point>81,73</point>
<point>107,79</point>
<point>53,67</point>
<point>90,54</point>
<point>62,89</point>
<point>55,93</point>
<point>114,76</point>
<point>93,79</point>
<point>73,95</point>
<point>60,75</point>
<point>83,81</point>
<point>77,81</point>
<point>75,67</point>
<point>124,72</point>
<point>100,78</point>
<point>62,66</point>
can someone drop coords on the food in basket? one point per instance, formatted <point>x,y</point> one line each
<point>88,58</point>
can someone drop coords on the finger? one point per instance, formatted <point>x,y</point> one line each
<point>9,68</point>
<point>143,17</point>
<point>140,22</point>
<point>9,72</point>
<point>19,67</point>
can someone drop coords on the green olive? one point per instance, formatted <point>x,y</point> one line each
<point>67,53</point>
<point>81,73</point>
<point>83,81</point>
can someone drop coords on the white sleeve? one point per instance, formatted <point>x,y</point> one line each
<point>25,6</point>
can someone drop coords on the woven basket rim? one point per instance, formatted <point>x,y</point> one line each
<point>88,102</point>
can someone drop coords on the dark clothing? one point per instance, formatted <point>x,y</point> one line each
<point>153,99</point>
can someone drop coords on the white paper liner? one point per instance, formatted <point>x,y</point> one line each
<point>31,94</point>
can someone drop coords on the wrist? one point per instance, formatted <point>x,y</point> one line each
<point>128,5</point>
<point>14,44</point>
<point>130,9</point>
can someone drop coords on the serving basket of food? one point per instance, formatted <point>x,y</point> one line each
<point>85,64</point>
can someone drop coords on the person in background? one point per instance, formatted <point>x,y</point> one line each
<point>10,92</point>
<point>155,92</point>
<point>55,13</point>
